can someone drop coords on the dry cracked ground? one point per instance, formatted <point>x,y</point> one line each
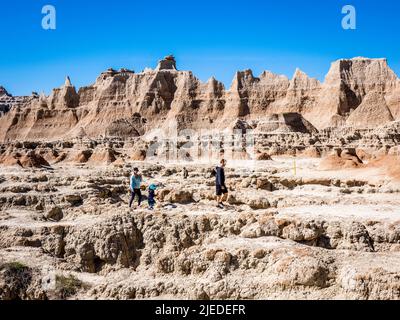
<point>67,233</point>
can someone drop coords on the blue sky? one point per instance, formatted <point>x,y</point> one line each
<point>209,37</point>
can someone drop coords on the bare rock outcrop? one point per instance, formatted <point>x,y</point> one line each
<point>102,156</point>
<point>346,85</point>
<point>20,282</point>
<point>125,104</point>
<point>341,159</point>
<point>284,123</point>
<point>30,159</point>
<point>371,113</point>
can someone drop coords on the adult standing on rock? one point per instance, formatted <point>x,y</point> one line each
<point>221,189</point>
<point>185,173</point>
<point>135,184</point>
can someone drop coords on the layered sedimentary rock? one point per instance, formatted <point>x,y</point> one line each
<point>372,112</point>
<point>293,227</point>
<point>347,84</point>
<point>285,123</point>
<point>360,93</point>
<point>7,101</point>
<point>4,96</point>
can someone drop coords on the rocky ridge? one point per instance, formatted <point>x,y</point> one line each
<point>360,93</point>
<point>313,176</point>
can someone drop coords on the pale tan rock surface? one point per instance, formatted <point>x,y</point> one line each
<point>310,235</point>
<point>313,180</point>
<point>123,103</point>
<point>371,113</point>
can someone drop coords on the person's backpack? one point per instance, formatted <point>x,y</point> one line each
<point>213,172</point>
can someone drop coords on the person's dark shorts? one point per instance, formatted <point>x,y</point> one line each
<point>221,190</point>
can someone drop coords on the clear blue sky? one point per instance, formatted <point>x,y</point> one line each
<point>209,37</point>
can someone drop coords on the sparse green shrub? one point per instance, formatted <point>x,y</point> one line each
<point>67,286</point>
<point>15,266</point>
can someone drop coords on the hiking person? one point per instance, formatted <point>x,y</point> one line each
<point>185,173</point>
<point>135,183</point>
<point>151,198</point>
<point>221,189</point>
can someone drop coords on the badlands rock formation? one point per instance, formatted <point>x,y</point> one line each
<point>67,233</point>
<point>7,101</point>
<point>313,176</point>
<point>360,93</point>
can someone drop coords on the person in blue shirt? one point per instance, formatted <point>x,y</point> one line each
<point>135,184</point>
<point>221,189</point>
<point>151,198</point>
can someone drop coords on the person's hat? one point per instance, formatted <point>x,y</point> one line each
<point>153,186</point>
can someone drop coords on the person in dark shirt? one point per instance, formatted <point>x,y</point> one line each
<point>185,173</point>
<point>221,189</point>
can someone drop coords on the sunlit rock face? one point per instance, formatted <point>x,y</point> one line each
<point>359,93</point>
<point>313,174</point>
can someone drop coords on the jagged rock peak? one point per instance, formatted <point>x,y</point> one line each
<point>125,70</point>
<point>299,74</point>
<point>67,82</point>
<point>364,59</point>
<point>242,79</point>
<point>213,85</point>
<point>3,92</point>
<point>363,70</point>
<point>248,73</point>
<point>214,82</point>
<point>42,96</point>
<point>270,75</point>
<point>302,81</point>
<point>168,63</point>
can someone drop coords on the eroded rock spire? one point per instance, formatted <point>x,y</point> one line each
<point>168,63</point>
<point>68,82</point>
